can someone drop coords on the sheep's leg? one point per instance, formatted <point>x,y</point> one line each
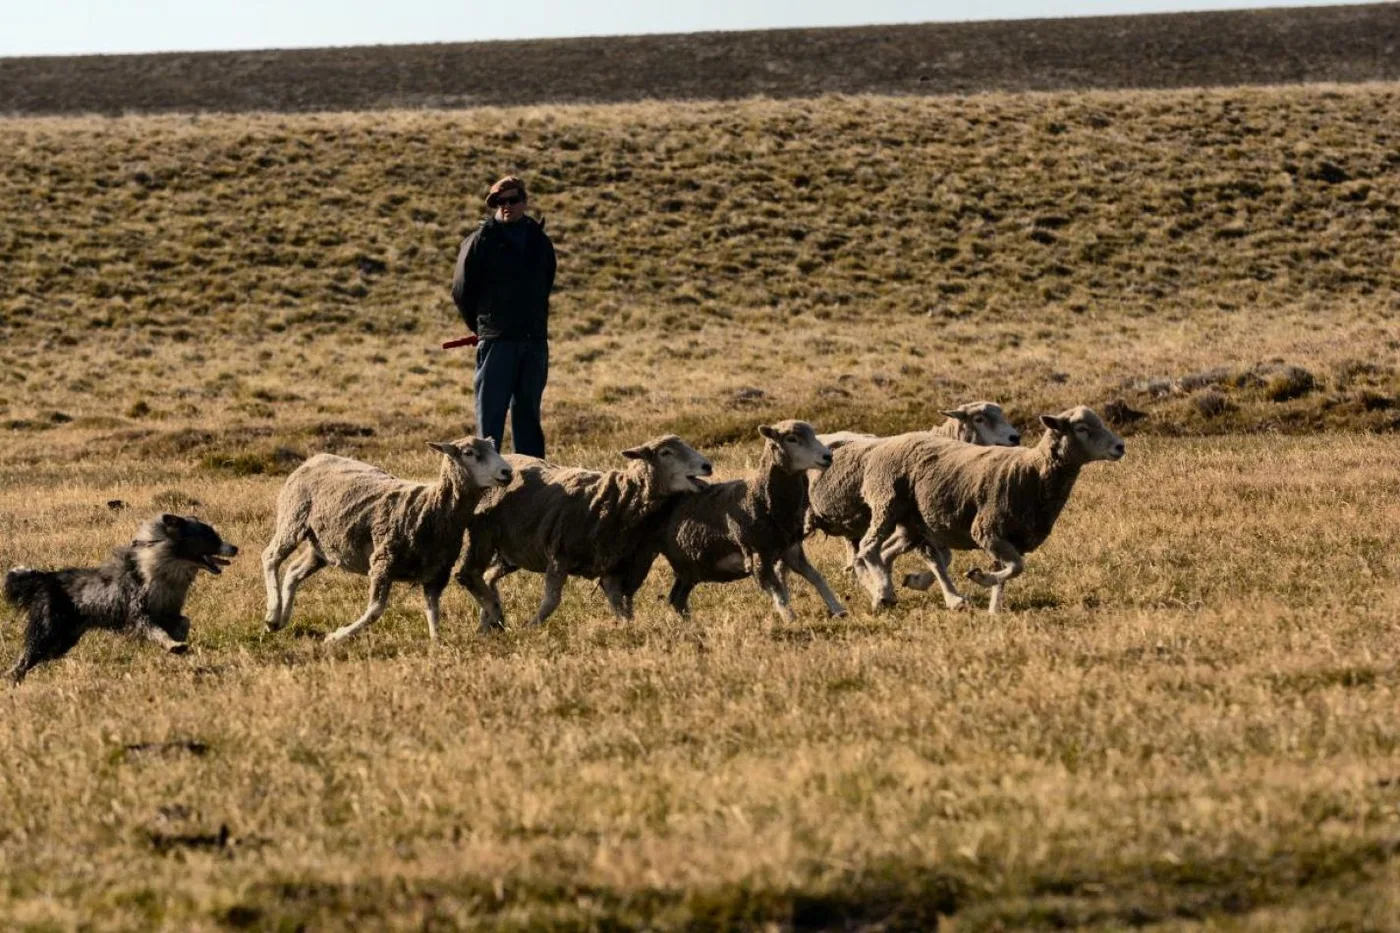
<point>618,599</point>
<point>278,550</point>
<point>432,597</point>
<point>796,558</point>
<point>851,555</point>
<point>498,571</point>
<point>553,592</point>
<point>1010,563</point>
<point>937,558</point>
<point>902,542</point>
<point>487,599</point>
<point>679,597</point>
<point>379,584</point>
<point>868,558</point>
<point>311,563</point>
<point>765,571</point>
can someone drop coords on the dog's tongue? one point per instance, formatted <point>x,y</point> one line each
<point>213,564</point>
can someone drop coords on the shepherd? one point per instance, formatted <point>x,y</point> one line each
<point>501,286</point>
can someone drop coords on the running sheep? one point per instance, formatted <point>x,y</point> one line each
<point>564,521</point>
<point>838,509</point>
<point>369,522</point>
<point>956,496</point>
<point>751,527</point>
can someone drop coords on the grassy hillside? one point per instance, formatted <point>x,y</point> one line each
<point>1188,722</point>
<point>1288,46</point>
<point>860,260</point>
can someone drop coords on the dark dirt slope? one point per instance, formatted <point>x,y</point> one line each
<point>1342,44</point>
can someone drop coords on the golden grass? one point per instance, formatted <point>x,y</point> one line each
<point>1189,718</point>
<point>1192,713</point>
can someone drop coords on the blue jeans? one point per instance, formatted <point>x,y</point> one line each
<point>510,374</point>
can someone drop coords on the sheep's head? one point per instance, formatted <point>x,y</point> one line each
<point>984,424</point>
<point>675,465</point>
<point>476,460</point>
<point>1079,435</point>
<point>796,446</point>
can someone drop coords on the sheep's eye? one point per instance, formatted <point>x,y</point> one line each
<point>1081,429</point>
<point>665,453</point>
<point>977,419</point>
<point>790,439</point>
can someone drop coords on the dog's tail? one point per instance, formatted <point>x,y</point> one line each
<point>22,585</point>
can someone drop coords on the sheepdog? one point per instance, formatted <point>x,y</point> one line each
<point>139,591</point>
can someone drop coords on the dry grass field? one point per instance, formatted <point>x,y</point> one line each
<point>1188,721</point>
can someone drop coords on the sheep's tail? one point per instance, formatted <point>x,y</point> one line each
<point>22,585</point>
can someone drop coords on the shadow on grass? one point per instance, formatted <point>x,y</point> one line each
<point>887,896</point>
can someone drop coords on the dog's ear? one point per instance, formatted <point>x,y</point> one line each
<point>172,522</point>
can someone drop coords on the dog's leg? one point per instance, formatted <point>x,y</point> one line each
<point>379,584</point>
<point>47,637</point>
<point>312,562</point>
<point>151,632</point>
<point>282,545</point>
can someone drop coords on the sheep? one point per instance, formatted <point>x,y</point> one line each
<point>957,496</point>
<point>838,509</point>
<point>755,526</point>
<point>982,423</point>
<point>564,521</point>
<point>366,521</point>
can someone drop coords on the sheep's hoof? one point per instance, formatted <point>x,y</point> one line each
<point>180,647</point>
<point>957,604</point>
<point>840,612</point>
<point>918,581</point>
<point>271,627</point>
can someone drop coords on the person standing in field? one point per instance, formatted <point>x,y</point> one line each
<point>501,286</point>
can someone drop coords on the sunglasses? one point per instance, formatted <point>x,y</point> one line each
<point>510,201</point>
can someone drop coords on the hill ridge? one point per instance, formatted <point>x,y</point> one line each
<point>1342,44</point>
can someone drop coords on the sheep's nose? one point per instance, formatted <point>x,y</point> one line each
<point>826,460</point>
<point>706,469</point>
<point>505,476</point>
<point>1015,438</point>
<point>1119,449</point>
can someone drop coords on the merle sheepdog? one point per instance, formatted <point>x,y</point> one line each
<point>140,591</point>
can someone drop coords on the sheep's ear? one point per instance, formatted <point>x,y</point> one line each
<point>637,453</point>
<point>1055,424</point>
<point>954,413</point>
<point>769,432</point>
<point>445,449</point>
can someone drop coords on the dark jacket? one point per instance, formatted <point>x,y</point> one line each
<point>501,289</point>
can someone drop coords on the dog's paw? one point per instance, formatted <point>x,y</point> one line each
<point>179,647</point>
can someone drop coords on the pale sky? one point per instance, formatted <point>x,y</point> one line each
<point>71,27</point>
